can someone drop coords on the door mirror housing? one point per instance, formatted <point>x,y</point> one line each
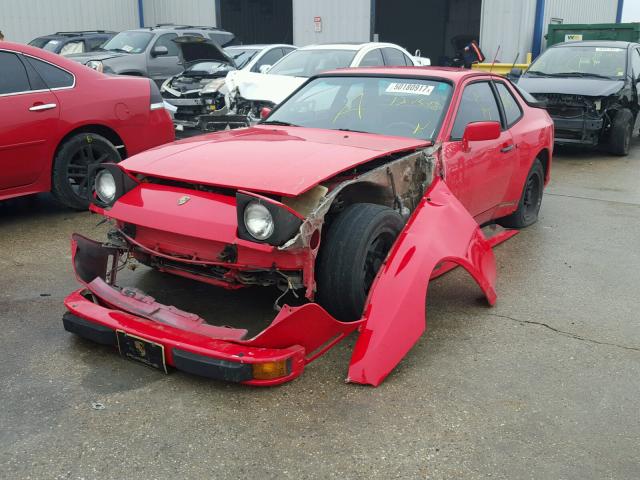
<point>264,112</point>
<point>264,68</point>
<point>480,132</point>
<point>159,51</point>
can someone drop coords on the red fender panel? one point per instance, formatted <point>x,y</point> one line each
<point>440,230</point>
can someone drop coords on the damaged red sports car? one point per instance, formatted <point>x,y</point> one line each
<point>349,197</point>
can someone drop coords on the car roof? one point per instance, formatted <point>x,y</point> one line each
<point>262,46</point>
<point>355,46</point>
<point>82,34</point>
<point>161,28</point>
<point>596,43</point>
<point>453,74</point>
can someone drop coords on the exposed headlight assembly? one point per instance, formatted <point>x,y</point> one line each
<point>96,65</point>
<point>109,183</point>
<point>264,220</point>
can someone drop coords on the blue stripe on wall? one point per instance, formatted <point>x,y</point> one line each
<point>537,29</point>
<point>141,13</point>
<point>619,12</point>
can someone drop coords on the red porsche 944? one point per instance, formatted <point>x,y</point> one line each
<point>349,196</point>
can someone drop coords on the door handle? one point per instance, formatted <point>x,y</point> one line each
<point>42,106</point>
<point>507,148</point>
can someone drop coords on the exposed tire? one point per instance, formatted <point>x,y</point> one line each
<point>69,180</point>
<point>621,131</point>
<point>351,254</point>
<point>530,201</point>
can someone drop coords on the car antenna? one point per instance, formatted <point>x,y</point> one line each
<point>494,59</point>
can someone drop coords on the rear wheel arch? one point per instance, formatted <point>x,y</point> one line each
<point>544,157</point>
<point>102,130</point>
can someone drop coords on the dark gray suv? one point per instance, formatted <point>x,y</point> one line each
<point>148,52</point>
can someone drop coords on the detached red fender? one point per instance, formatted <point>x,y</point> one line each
<point>440,231</point>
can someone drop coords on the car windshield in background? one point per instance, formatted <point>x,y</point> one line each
<point>39,42</point>
<point>207,68</point>
<point>581,61</point>
<point>129,42</point>
<point>307,63</point>
<point>405,107</point>
<point>51,45</point>
<point>241,56</point>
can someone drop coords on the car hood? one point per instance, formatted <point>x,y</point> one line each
<point>263,86</point>
<point>88,56</point>
<point>197,49</point>
<point>285,161</point>
<point>589,87</point>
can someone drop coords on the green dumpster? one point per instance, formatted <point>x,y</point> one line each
<point>627,32</point>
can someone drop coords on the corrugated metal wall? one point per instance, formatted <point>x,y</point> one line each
<point>186,12</point>
<point>581,11</point>
<point>24,20</point>
<point>507,24</point>
<point>342,21</point>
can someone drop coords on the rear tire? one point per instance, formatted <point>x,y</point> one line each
<point>69,179</point>
<point>530,201</point>
<point>621,131</point>
<point>354,249</point>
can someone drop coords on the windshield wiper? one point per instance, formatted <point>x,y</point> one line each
<point>278,122</point>
<point>539,73</point>
<point>350,130</point>
<point>582,74</point>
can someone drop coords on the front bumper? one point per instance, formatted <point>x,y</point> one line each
<point>578,131</point>
<point>188,351</point>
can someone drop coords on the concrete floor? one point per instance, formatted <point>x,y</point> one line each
<point>544,385</point>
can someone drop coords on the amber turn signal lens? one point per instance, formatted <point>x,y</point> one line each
<point>270,370</point>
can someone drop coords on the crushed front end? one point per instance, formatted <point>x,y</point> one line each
<point>578,119</point>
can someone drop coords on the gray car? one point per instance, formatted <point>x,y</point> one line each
<point>148,52</point>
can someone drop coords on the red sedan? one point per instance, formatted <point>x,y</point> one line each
<point>57,117</point>
<point>348,197</point>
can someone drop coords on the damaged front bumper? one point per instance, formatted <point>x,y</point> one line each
<point>159,335</point>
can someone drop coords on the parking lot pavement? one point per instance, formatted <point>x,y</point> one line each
<point>543,385</point>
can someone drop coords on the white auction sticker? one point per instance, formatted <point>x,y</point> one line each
<point>413,88</point>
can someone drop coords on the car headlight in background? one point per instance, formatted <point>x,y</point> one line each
<point>105,186</point>
<point>96,65</point>
<point>258,221</point>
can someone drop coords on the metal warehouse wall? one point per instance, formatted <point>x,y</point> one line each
<point>186,12</point>
<point>24,20</point>
<point>342,21</point>
<point>509,23</point>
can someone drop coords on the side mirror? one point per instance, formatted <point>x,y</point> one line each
<point>264,68</point>
<point>264,112</point>
<point>159,51</point>
<point>516,72</point>
<point>480,132</point>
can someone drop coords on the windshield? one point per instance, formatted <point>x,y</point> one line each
<point>241,56</point>
<point>307,63</point>
<point>51,45</point>
<point>129,42</point>
<point>581,61</point>
<point>208,68</point>
<point>405,107</point>
<point>39,42</point>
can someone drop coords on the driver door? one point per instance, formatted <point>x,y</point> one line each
<point>162,67</point>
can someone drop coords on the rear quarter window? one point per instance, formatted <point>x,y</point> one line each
<point>512,109</point>
<point>53,76</point>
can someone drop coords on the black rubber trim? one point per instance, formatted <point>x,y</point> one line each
<point>124,183</point>
<point>211,367</point>
<point>91,331</point>
<point>286,224</point>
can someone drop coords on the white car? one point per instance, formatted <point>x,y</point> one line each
<point>249,92</point>
<point>197,94</point>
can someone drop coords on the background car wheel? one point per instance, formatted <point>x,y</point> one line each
<point>351,254</point>
<point>69,183</point>
<point>529,205</point>
<point>621,131</point>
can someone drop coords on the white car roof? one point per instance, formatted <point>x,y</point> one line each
<point>347,46</point>
<point>260,46</point>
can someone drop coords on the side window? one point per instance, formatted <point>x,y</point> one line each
<point>288,50</point>
<point>635,63</point>
<point>407,60</point>
<point>394,57</point>
<point>511,106</point>
<point>478,104</point>
<point>166,40</point>
<point>95,42</point>
<point>373,59</point>
<point>77,46</point>
<point>14,75</point>
<point>54,77</point>
<point>269,58</point>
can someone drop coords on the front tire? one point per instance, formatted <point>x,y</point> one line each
<point>530,201</point>
<point>621,132</point>
<point>70,176</point>
<point>354,249</point>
